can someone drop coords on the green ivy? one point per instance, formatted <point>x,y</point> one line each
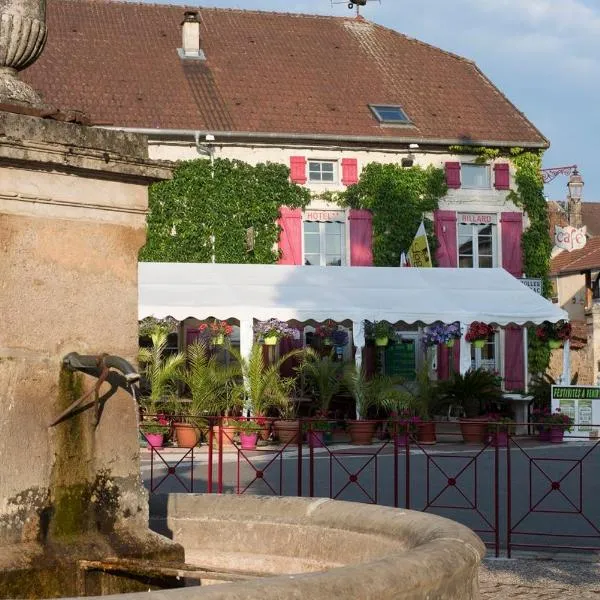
<point>398,199</point>
<point>482,153</point>
<point>222,200</point>
<point>536,242</point>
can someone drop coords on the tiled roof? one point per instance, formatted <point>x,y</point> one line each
<point>578,260</point>
<point>265,72</point>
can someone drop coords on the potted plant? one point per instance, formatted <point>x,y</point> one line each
<point>442,333</point>
<point>212,387</point>
<point>160,376</point>
<point>217,332</point>
<point>325,331</point>
<point>476,393</point>
<point>478,333</point>
<point>554,334</point>
<point>559,423</point>
<point>424,400</point>
<point>271,331</point>
<point>248,430</point>
<point>500,427</point>
<point>403,426</point>
<point>154,431</point>
<point>287,428</point>
<point>382,332</point>
<point>316,429</point>
<point>377,392</point>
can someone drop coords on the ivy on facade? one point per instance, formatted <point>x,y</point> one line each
<point>398,199</point>
<point>207,210</point>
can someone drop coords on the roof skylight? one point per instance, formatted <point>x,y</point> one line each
<point>389,113</point>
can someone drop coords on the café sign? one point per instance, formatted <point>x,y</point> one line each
<point>569,238</point>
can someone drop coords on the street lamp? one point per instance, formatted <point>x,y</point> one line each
<point>575,185</point>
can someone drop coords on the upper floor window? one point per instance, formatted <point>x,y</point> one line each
<point>324,243</point>
<point>475,176</point>
<point>477,242</point>
<point>389,113</point>
<point>321,171</point>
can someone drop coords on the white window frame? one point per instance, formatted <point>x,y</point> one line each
<point>476,354</point>
<point>475,244</point>
<point>321,162</point>
<point>322,243</point>
<point>476,187</point>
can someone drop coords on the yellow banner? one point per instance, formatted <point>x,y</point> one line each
<point>418,253</point>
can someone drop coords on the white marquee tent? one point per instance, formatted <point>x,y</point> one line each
<point>411,295</point>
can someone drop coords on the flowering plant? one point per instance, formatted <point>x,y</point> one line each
<point>339,337</point>
<point>275,328</point>
<point>405,421</point>
<point>321,422</point>
<point>440,333</point>
<point>561,420</point>
<point>542,418</point>
<point>498,422</point>
<point>326,329</point>
<point>215,328</point>
<point>157,425</point>
<point>553,331</point>
<point>478,331</point>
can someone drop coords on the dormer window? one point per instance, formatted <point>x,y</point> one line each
<point>389,114</point>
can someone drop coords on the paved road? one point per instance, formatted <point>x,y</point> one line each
<point>555,488</point>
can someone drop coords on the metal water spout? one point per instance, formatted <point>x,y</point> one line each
<point>98,366</point>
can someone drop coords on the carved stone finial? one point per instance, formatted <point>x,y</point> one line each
<point>22,38</point>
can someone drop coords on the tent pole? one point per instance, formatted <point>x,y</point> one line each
<point>246,342</point>
<point>566,374</point>
<point>465,350</point>
<point>358,337</point>
<point>526,358</point>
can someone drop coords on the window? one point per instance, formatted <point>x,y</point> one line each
<point>324,243</point>
<point>477,245</point>
<point>386,113</point>
<point>475,176</point>
<point>321,171</point>
<point>486,357</point>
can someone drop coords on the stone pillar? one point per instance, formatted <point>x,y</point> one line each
<point>73,202</point>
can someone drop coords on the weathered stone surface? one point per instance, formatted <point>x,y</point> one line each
<point>73,202</point>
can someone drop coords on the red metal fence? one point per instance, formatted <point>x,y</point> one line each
<point>516,491</point>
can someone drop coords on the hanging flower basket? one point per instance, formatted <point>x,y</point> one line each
<point>554,334</point>
<point>381,341</point>
<point>215,331</point>
<point>269,332</point>
<point>555,344</point>
<point>442,333</point>
<point>478,333</point>
<point>450,343</point>
<point>479,343</point>
<point>270,340</point>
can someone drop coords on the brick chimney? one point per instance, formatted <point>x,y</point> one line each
<point>190,36</point>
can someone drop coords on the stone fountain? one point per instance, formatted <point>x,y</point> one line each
<point>73,512</point>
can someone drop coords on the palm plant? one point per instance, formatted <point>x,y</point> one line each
<point>377,392</point>
<point>477,391</point>
<point>324,375</point>
<point>161,373</point>
<point>213,386</point>
<point>263,385</point>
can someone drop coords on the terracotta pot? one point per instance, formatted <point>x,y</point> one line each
<point>228,435</point>
<point>474,431</point>
<point>265,432</point>
<point>362,432</point>
<point>248,440</point>
<point>286,431</point>
<point>426,432</point>
<point>155,440</point>
<point>557,435</point>
<point>187,435</point>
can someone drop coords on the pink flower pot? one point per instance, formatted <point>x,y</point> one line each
<point>544,435</point>
<point>155,440</point>
<point>500,439</point>
<point>248,440</point>
<point>316,439</point>
<point>557,435</point>
<point>401,440</point>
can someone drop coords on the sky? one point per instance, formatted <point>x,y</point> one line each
<point>543,54</point>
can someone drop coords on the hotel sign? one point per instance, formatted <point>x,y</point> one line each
<point>325,215</point>
<point>569,238</point>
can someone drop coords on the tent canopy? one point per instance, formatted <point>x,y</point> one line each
<point>412,295</point>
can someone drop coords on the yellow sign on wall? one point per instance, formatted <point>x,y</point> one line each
<point>418,253</point>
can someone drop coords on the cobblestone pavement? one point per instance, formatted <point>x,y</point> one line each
<point>527,579</point>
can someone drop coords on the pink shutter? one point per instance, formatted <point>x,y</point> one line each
<point>349,171</point>
<point>290,367</point>
<point>453,175</point>
<point>444,360</point>
<point>298,169</point>
<point>290,237</point>
<point>445,231</point>
<point>512,230</point>
<point>361,238</point>
<point>514,360</point>
<point>502,176</point>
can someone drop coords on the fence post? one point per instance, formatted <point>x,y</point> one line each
<point>508,497</point>
<point>299,446</point>
<point>209,477</point>
<point>220,463</point>
<point>496,492</point>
